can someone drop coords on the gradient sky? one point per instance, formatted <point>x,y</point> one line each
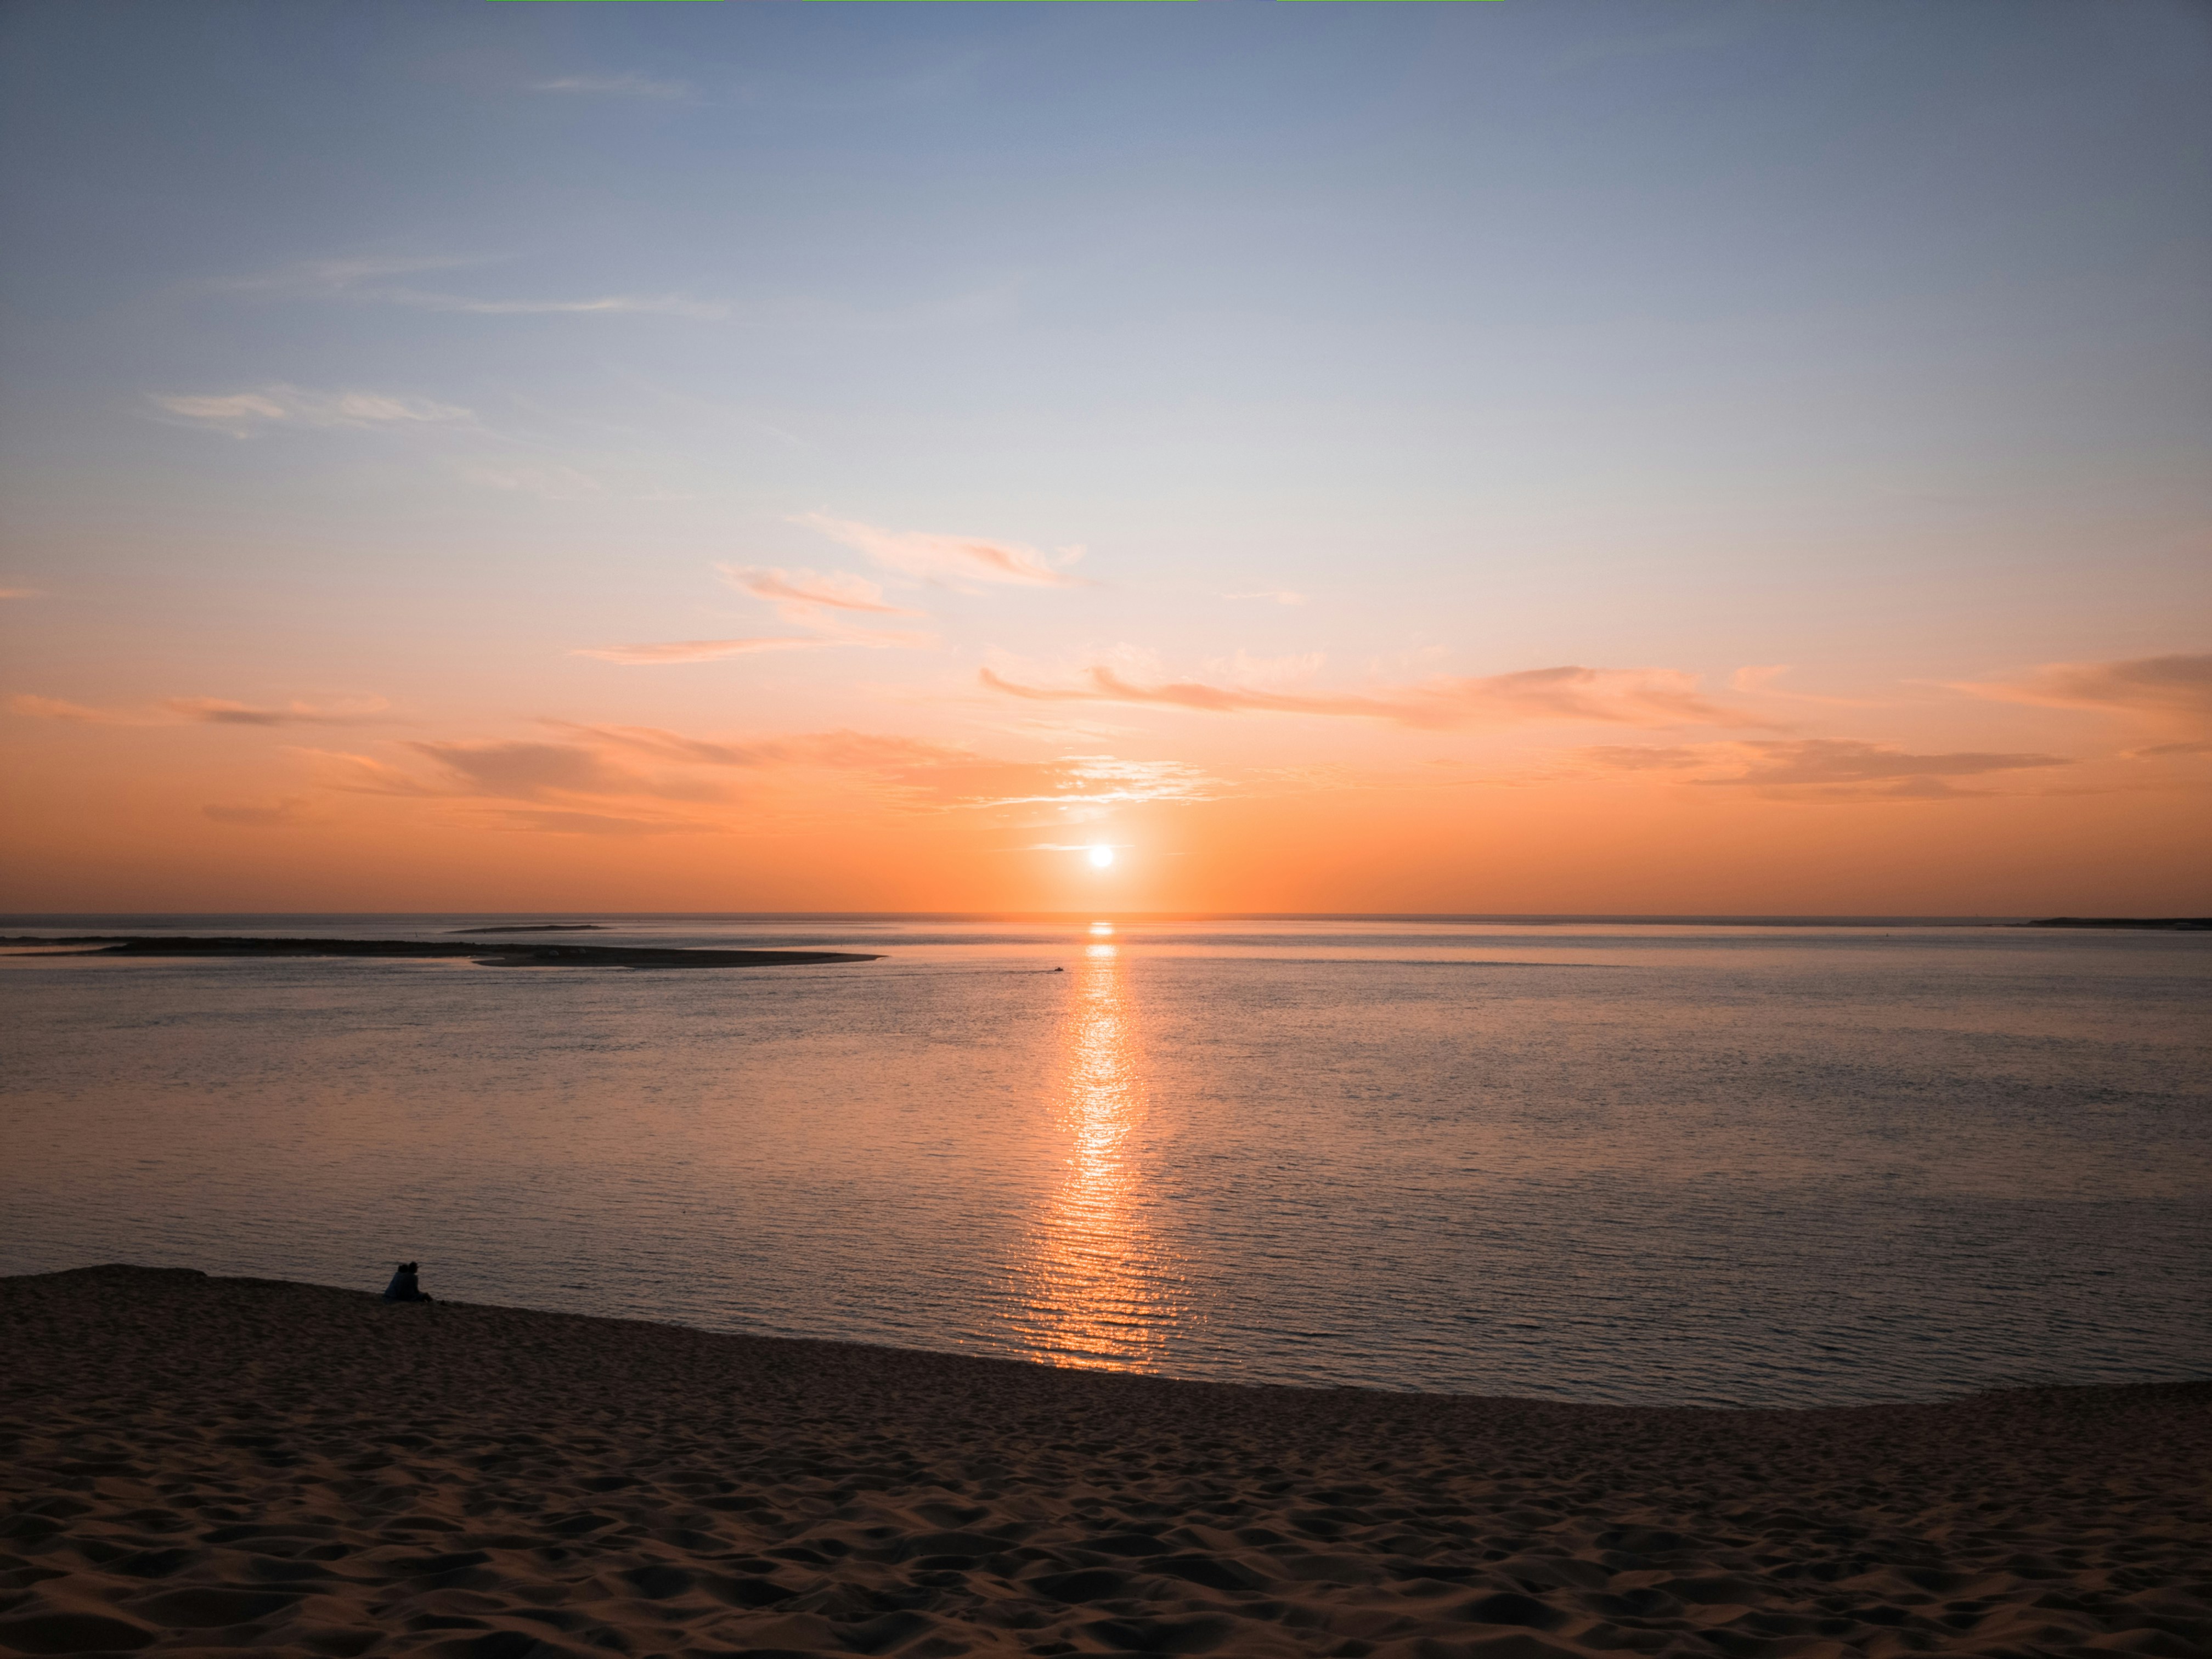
<point>1562,457</point>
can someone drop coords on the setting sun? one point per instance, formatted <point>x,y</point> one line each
<point>1101,857</point>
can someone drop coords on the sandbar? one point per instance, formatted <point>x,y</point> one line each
<point>491,955</point>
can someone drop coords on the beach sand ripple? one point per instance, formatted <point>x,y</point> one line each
<point>203,1465</point>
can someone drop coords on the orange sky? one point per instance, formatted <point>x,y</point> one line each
<point>155,808</point>
<point>1476,459</point>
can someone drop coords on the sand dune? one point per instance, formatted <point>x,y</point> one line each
<point>205,1466</point>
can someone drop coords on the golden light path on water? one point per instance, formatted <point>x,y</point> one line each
<point>1102,1291</point>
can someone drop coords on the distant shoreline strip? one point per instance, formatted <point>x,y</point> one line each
<point>503,956</point>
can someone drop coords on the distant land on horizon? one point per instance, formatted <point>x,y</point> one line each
<point>579,922</point>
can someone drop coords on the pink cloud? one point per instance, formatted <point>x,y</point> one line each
<point>836,589</point>
<point>957,560</point>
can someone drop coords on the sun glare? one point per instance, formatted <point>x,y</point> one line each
<point>1101,857</point>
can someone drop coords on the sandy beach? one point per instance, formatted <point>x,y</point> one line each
<point>197,1465</point>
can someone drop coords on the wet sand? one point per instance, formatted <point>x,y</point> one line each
<point>195,1465</point>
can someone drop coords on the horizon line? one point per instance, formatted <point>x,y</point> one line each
<point>1532,917</point>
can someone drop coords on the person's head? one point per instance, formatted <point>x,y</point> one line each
<point>406,1267</point>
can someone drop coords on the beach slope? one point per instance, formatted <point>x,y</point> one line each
<point>197,1465</point>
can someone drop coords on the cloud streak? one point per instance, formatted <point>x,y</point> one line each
<point>823,602</point>
<point>2172,688</point>
<point>630,84</point>
<point>661,654</point>
<point>202,711</point>
<point>1830,769</point>
<point>650,780</point>
<point>519,769</point>
<point>835,589</point>
<point>955,776</point>
<point>218,711</point>
<point>841,750</point>
<point>344,276</point>
<point>242,414</point>
<point>606,305</point>
<point>1628,697</point>
<point>368,280</point>
<point>964,562</point>
<point>826,601</point>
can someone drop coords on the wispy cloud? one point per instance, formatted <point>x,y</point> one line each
<point>656,781</point>
<point>203,711</point>
<point>664,651</point>
<point>19,593</point>
<point>1628,696</point>
<point>821,602</point>
<point>825,601</point>
<point>54,708</point>
<point>241,414</point>
<point>836,589</point>
<point>1279,595</point>
<point>606,305</point>
<point>1843,760</point>
<point>370,281</point>
<point>840,751</point>
<point>523,770</point>
<point>337,276</point>
<point>554,483</point>
<point>218,711</point>
<point>962,562</point>
<point>2167,750</point>
<point>630,84</point>
<point>365,775</point>
<point>949,775</point>
<point>384,281</point>
<point>1760,680</point>
<point>1831,769</point>
<point>1101,781</point>
<point>680,651</point>
<point>2172,688</point>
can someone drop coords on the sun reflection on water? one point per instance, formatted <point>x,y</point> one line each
<point>1103,1291</point>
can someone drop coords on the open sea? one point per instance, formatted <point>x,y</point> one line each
<point>1694,1164</point>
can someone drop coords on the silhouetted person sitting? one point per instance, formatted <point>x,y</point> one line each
<point>403,1287</point>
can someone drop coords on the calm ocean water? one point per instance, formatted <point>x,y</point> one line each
<point>1636,1163</point>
